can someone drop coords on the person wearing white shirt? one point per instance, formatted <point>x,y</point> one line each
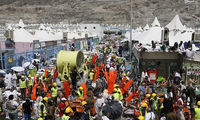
<point>150,115</point>
<point>14,79</point>
<point>8,78</point>
<point>105,118</point>
<point>99,106</point>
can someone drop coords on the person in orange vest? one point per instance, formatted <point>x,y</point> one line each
<point>38,85</point>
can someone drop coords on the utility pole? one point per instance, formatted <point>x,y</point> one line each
<point>131,25</point>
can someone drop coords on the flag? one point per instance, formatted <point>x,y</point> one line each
<point>94,58</point>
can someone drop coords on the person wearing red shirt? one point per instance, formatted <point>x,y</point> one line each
<point>62,107</point>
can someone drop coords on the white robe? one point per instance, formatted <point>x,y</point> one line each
<point>8,82</point>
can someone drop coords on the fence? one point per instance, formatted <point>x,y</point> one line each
<point>17,59</point>
<point>7,61</point>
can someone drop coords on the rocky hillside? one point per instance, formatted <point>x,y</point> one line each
<point>97,11</point>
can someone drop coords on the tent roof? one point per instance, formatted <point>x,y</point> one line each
<point>43,35</point>
<point>21,24</point>
<point>153,34</point>
<point>175,24</point>
<point>9,27</point>
<point>155,23</point>
<point>42,27</point>
<point>21,35</point>
<point>146,27</point>
<point>178,36</point>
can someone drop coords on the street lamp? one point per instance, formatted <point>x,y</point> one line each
<point>131,24</point>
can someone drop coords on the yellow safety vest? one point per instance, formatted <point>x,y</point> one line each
<point>45,79</point>
<point>105,50</point>
<point>91,75</point>
<point>30,82</point>
<point>22,84</point>
<point>44,109</point>
<point>120,94</point>
<point>156,104</point>
<point>197,113</point>
<point>64,117</point>
<point>88,58</point>
<point>116,96</point>
<point>54,92</point>
<point>140,109</point>
<point>120,60</point>
<point>80,94</point>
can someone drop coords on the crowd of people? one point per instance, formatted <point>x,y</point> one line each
<point>104,91</point>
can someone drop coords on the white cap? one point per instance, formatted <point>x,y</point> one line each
<point>63,99</point>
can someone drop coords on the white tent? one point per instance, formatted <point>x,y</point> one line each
<point>146,27</point>
<point>153,34</point>
<point>21,24</point>
<point>178,36</point>
<point>175,24</point>
<point>155,23</point>
<point>135,34</point>
<point>21,35</point>
<point>9,27</point>
<point>43,35</point>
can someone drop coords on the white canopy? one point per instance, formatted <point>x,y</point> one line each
<point>43,35</point>
<point>146,27</point>
<point>178,36</point>
<point>153,34</point>
<point>175,24</point>
<point>21,35</point>
<point>9,27</point>
<point>21,24</point>
<point>155,23</point>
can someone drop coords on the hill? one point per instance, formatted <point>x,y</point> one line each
<point>97,11</point>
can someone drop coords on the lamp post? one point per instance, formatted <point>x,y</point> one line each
<point>131,25</point>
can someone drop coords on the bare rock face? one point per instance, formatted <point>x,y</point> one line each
<point>98,11</point>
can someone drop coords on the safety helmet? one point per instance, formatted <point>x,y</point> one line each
<point>29,76</point>
<point>115,85</point>
<point>198,103</point>
<point>22,76</point>
<point>43,74</point>
<point>148,95</point>
<point>49,71</point>
<point>40,118</point>
<point>92,70</point>
<point>153,95</point>
<point>80,88</point>
<point>124,74</point>
<point>141,117</point>
<point>144,105</point>
<point>54,84</point>
<point>46,99</point>
<point>83,103</point>
<point>68,109</point>
<point>115,90</point>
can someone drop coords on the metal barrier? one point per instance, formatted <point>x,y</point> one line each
<point>7,61</point>
<point>17,59</point>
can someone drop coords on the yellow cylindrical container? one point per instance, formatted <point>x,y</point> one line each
<point>71,58</point>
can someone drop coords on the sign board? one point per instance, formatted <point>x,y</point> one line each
<point>43,44</point>
<point>59,42</point>
<point>193,71</point>
<point>152,76</point>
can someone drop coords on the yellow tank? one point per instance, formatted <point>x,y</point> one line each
<point>67,60</point>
